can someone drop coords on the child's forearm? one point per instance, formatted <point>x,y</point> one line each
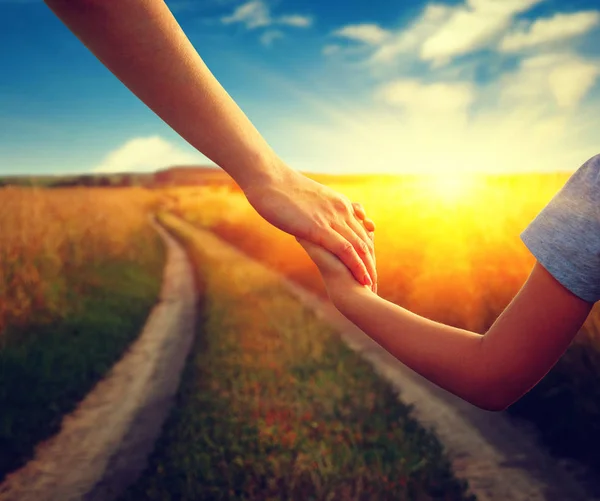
<point>135,39</point>
<point>492,370</point>
<point>447,356</point>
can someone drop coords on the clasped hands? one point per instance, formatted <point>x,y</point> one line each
<point>335,232</point>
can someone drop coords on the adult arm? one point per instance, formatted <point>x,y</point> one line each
<point>142,44</point>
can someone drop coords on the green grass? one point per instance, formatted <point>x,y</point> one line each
<point>274,406</point>
<point>47,368</point>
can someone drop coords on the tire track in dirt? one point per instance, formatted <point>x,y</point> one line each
<point>499,456</point>
<point>103,445</point>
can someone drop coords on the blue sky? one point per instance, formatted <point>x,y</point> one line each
<point>352,86</point>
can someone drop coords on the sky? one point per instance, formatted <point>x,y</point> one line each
<point>390,86</point>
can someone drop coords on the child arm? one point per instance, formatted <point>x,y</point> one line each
<point>495,369</point>
<point>492,370</point>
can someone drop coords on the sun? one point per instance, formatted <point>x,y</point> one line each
<point>450,189</point>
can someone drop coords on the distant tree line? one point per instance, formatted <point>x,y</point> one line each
<point>173,176</point>
<point>112,180</point>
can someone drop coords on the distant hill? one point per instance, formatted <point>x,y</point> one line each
<point>171,176</point>
<point>192,176</point>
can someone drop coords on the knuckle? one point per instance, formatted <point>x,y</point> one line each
<point>364,249</point>
<point>320,220</point>
<point>318,230</point>
<point>314,233</point>
<point>346,248</point>
<point>341,205</point>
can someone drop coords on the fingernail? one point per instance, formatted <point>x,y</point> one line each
<point>368,280</point>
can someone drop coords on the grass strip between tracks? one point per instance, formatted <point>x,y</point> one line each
<point>273,405</point>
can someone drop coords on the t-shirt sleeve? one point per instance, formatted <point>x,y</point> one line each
<point>565,236</point>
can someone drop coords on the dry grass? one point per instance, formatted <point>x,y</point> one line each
<point>79,271</point>
<point>49,235</point>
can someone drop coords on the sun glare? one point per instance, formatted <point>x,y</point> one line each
<point>450,189</point>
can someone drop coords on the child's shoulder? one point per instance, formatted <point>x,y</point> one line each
<point>585,181</point>
<point>565,236</point>
<point>593,163</point>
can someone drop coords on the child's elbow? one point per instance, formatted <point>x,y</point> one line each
<point>495,396</point>
<point>494,405</point>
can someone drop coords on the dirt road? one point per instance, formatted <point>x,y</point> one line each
<point>499,456</point>
<point>103,444</point>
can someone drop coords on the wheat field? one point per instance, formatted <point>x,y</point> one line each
<point>47,236</point>
<point>448,249</point>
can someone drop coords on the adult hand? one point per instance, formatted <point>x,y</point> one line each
<point>311,211</point>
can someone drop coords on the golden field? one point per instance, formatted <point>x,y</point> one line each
<point>80,270</point>
<point>47,236</point>
<point>448,249</point>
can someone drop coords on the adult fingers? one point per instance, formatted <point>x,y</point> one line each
<point>360,213</point>
<point>372,237</point>
<point>359,210</point>
<point>344,249</point>
<point>369,257</point>
<point>355,233</point>
<point>369,224</point>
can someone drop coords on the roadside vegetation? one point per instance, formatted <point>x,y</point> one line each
<point>80,270</point>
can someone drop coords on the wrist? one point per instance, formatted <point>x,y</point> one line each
<point>347,298</point>
<point>263,171</point>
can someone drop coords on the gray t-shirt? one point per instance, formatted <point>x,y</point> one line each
<point>565,236</point>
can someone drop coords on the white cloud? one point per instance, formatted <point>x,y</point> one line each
<point>296,21</point>
<point>331,49</point>
<point>443,32</point>
<point>252,14</point>
<point>143,154</point>
<point>529,118</point>
<point>532,118</point>
<point>427,99</point>
<point>542,31</point>
<point>268,37</point>
<point>571,81</point>
<point>471,27</point>
<point>410,39</point>
<point>256,14</point>
<point>368,33</point>
<point>496,139</point>
<point>564,79</point>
